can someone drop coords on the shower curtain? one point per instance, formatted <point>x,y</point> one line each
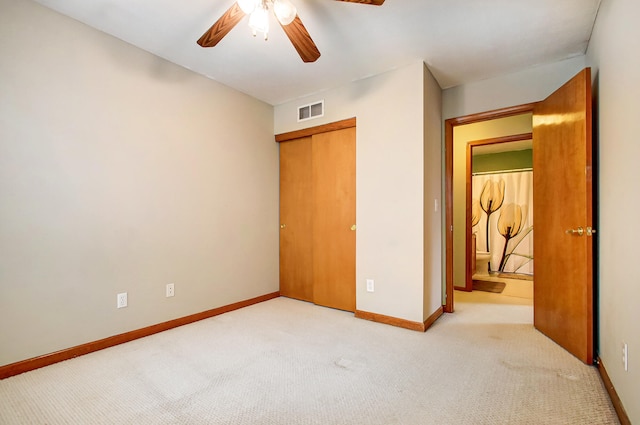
<point>506,200</point>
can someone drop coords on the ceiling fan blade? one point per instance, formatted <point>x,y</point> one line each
<point>301,40</point>
<point>222,26</point>
<point>372,2</point>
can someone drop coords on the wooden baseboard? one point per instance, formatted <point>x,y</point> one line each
<point>434,316</point>
<point>69,353</point>
<point>615,400</point>
<point>401,323</point>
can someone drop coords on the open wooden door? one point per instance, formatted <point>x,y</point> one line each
<point>563,243</point>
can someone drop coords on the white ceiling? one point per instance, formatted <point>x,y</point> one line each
<point>460,40</point>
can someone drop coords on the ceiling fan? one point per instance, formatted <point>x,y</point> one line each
<point>258,11</point>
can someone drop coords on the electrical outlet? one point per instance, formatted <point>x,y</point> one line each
<point>170,290</point>
<point>122,300</point>
<point>625,356</point>
<point>370,286</point>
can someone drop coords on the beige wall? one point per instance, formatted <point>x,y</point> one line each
<point>529,85</point>
<point>433,215</point>
<point>463,134</point>
<point>122,172</point>
<point>616,69</point>
<point>390,190</point>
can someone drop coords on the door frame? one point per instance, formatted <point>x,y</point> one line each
<point>310,131</point>
<point>449,125</point>
<point>469,174</point>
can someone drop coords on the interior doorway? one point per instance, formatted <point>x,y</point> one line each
<point>499,215</point>
<point>563,198</point>
<point>450,125</point>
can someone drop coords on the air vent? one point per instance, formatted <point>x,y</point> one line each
<point>310,111</point>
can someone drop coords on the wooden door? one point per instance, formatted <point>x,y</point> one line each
<point>334,214</point>
<point>296,274</point>
<point>563,268</point>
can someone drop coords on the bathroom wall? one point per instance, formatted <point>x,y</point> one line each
<point>503,161</point>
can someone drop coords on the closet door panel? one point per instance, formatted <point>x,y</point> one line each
<point>334,214</point>
<point>296,270</point>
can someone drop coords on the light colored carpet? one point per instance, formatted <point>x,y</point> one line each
<point>290,362</point>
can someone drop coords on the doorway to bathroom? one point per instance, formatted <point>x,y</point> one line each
<point>499,216</point>
<point>492,182</point>
<point>485,139</point>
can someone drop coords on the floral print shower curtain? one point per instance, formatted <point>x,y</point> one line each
<point>502,207</point>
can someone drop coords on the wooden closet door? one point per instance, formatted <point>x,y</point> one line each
<point>334,214</point>
<point>296,271</point>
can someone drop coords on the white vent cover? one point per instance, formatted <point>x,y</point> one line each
<point>310,111</point>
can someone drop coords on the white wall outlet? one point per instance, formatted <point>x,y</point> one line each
<point>122,300</point>
<point>170,292</point>
<point>625,356</point>
<point>370,286</point>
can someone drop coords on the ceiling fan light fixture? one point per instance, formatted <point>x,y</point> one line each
<point>259,20</point>
<point>285,11</point>
<point>247,6</point>
<point>287,16</point>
